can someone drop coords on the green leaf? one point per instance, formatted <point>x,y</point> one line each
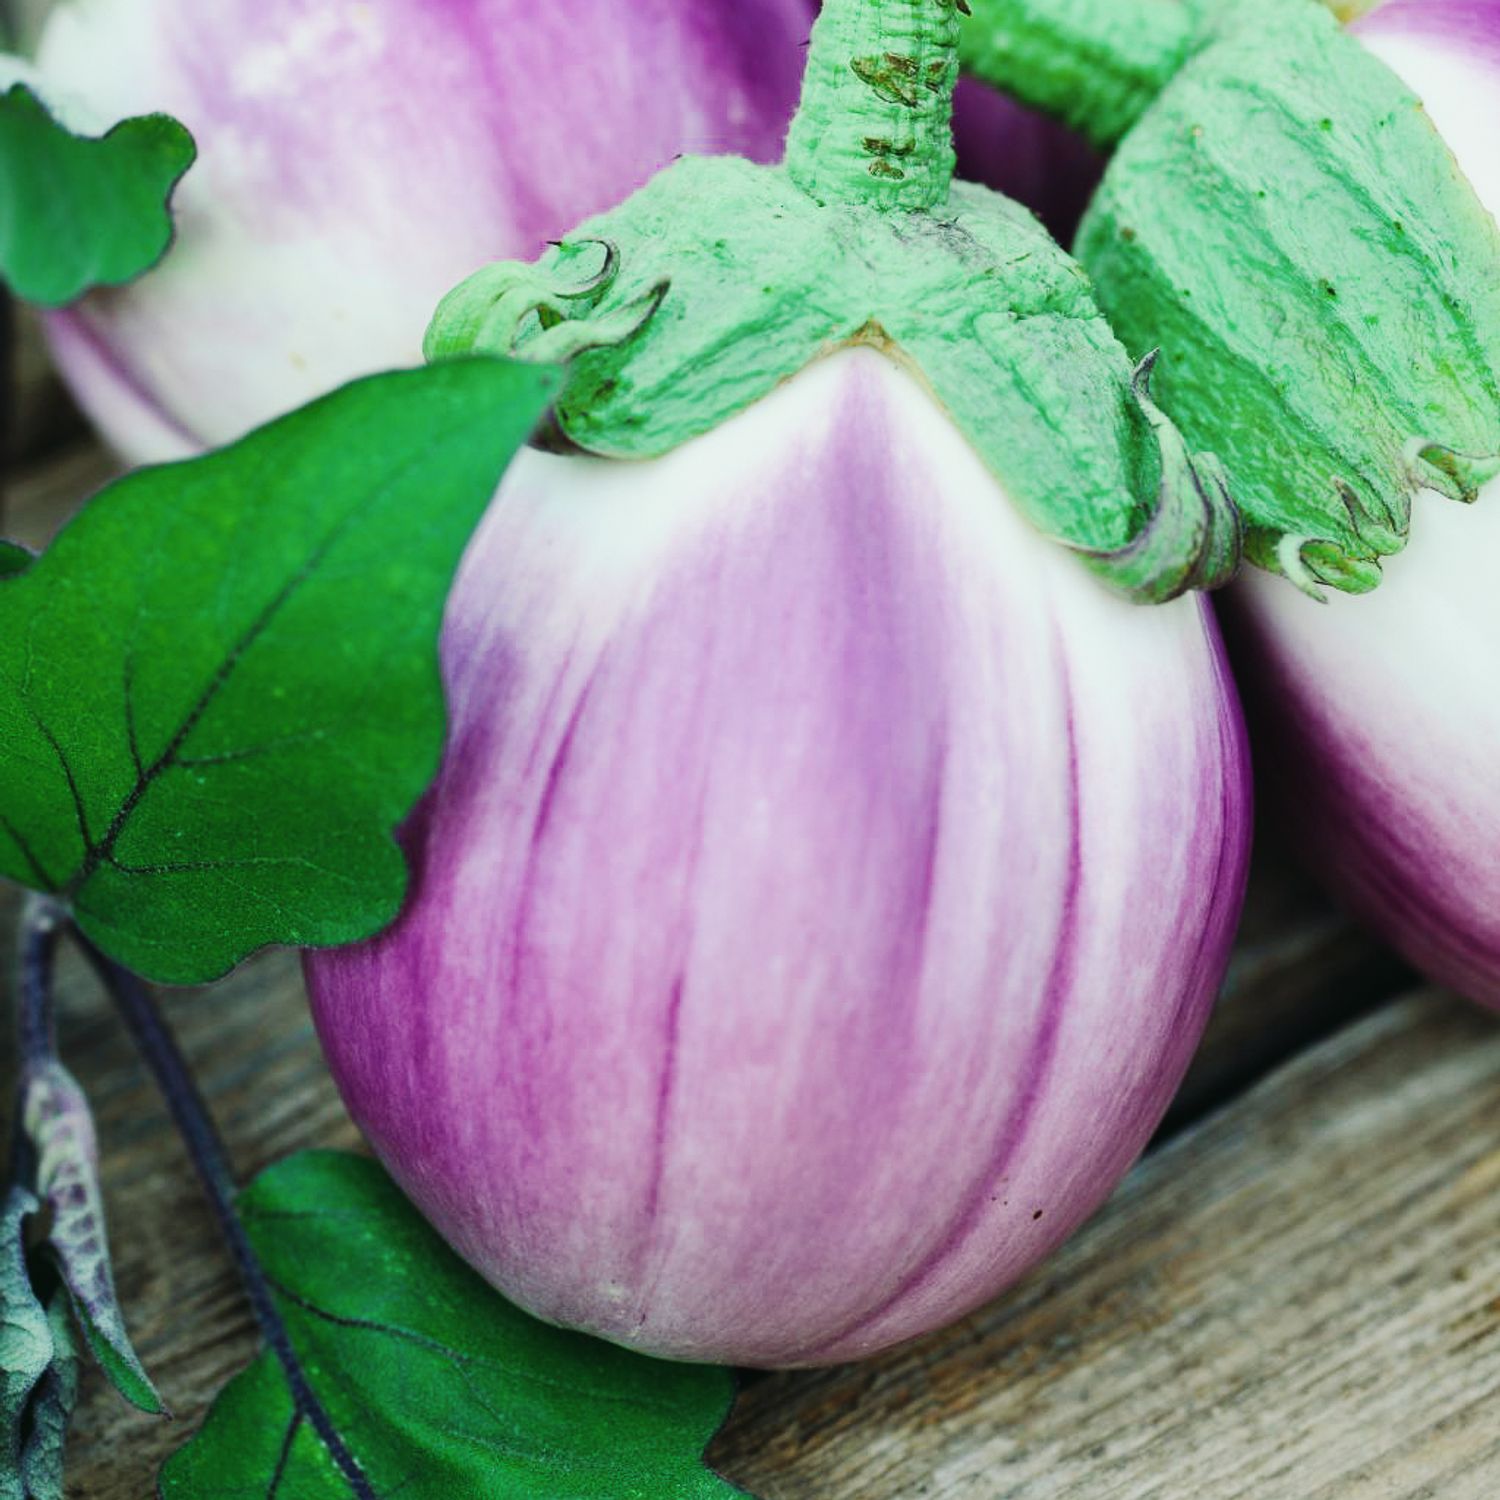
<point>60,1126</point>
<point>25,1340</point>
<point>219,688</point>
<point>14,559</point>
<point>437,1387</point>
<point>77,212</point>
<point>51,1408</point>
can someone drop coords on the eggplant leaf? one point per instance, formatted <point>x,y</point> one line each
<point>437,1388</point>
<point>26,1344</point>
<point>52,1405</point>
<point>219,688</point>
<point>77,212</point>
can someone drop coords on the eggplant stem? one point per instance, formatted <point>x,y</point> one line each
<point>875,125</point>
<point>159,1049</point>
<point>42,920</point>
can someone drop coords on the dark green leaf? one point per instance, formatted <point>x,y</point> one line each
<point>219,688</point>
<point>439,1388</point>
<point>14,559</point>
<point>51,1408</point>
<point>60,1125</point>
<point>25,1339</point>
<point>76,212</point>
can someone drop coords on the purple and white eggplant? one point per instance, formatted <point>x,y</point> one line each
<point>1382,713</point>
<point>357,157</point>
<point>825,889</point>
<point>1302,215</point>
<point>830,873</point>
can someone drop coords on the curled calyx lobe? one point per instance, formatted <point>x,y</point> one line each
<point>721,279</point>
<point>1284,220</point>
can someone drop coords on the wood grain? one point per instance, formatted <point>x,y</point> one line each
<point>1296,1300</point>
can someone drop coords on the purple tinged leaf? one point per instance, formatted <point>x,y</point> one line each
<point>61,1128</point>
<point>26,1345</point>
<point>52,1405</point>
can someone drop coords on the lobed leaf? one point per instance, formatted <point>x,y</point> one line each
<point>78,212</point>
<point>219,688</point>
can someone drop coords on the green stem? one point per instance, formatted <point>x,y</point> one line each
<point>1094,64</point>
<point>876,122</point>
<point>210,1158</point>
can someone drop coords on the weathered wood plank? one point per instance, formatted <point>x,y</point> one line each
<point>1296,1299</point>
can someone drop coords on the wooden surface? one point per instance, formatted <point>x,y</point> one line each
<point>1298,1298</point>
<point>1295,1297</point>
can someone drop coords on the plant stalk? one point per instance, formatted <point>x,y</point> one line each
<point>210,1160</point>
<point>876,121</point>
<point>41,926</point>
<point>42,921</point>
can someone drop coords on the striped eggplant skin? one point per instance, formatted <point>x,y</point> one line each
<point>357,158</point>
<point>824,891</point>
<point>1378,718</point>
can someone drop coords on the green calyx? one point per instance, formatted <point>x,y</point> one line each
<point>720,280</point>
<point>1099,65</point>
<point>1287,225</point>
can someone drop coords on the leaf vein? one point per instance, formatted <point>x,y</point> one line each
<point>97,851</point>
